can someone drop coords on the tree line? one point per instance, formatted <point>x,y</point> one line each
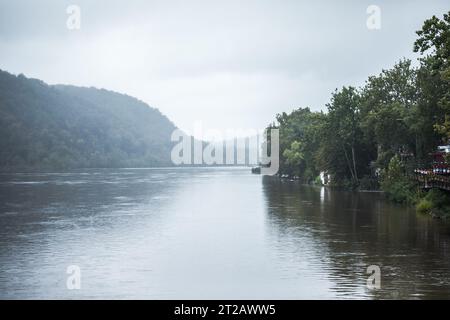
<point>54,127</point>
<point>373,136</point>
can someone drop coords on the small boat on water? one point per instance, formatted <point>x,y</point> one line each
<point>256,170</point>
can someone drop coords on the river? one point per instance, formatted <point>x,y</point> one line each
<point>210,233</point>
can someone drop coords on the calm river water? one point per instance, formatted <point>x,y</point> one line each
<point>210,233</point>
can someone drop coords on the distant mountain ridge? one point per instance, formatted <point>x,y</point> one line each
<point>60,127</point>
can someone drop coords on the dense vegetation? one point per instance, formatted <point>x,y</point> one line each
<point>373,136</point>
<point>59,127</point>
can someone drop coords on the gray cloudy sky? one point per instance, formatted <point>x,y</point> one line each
<point>228,64</point>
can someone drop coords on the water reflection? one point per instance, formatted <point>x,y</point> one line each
<point>354,230</point>
<point>210,233</point>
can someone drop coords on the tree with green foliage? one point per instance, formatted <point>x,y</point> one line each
<point>64,127</point>
<point>294,155</point>
<point>343,153</point>
<point>299,141</point>
<point>395,182</point>
<point>434,45</point>
<point>382,131</point>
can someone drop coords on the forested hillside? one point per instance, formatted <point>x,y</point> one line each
<point>59,127</point>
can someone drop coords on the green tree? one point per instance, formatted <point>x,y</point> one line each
<point>343,153</point>
<point>389,104</point>
<point>433,44</point>
<point>294,155</point>
<point>299,141</point>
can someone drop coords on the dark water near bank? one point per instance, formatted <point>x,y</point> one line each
<point>210,233</point>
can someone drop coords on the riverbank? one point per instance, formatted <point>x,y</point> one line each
<point>376,136</point>
<point>434,202</point>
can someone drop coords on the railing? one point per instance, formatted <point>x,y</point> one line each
<point>429,180</point>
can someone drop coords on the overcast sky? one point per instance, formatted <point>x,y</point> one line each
<point>228,64</point>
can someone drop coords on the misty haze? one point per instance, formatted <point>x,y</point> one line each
<point>202,150</point>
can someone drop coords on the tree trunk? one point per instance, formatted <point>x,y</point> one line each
<point>354,162</point>
<point>348,162</point>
